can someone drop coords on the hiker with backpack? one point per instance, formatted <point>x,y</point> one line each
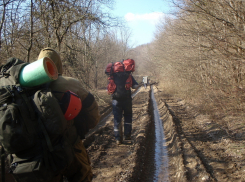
<point>80,170</point>
<point>120,83</point>
<point>32,125</point>
<point>42,124</point>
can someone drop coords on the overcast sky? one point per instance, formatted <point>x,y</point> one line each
<point>141,17</point>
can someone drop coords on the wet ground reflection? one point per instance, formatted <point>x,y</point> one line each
<point>161,154</point>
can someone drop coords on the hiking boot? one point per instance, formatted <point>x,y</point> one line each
<point>118,142</point>
<point>127,138</point>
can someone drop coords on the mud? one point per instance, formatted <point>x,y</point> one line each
<point>112,162</point>
<point>198,148</point>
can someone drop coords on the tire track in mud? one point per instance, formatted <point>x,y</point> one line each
<point>186,146</point>
<point>111,162</point>
<point>192,163</point>
<point>132,162</point>
<point>199,146</point>
<point>135,161</point>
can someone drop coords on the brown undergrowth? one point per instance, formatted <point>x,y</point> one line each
<point>214,124</point>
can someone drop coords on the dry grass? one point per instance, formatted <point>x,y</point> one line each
<point>103,99</point>
<point>225,109</point>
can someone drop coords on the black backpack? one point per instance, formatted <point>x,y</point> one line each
<point>32,128</point>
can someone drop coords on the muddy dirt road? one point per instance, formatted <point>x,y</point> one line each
<point>198,149</point>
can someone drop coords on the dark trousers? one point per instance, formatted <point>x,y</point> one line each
<point>124,108</point>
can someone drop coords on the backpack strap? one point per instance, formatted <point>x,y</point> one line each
<point>88,101</point>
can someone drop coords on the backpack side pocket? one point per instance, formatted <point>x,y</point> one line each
<point>13,134</point>
<point>111,87</point>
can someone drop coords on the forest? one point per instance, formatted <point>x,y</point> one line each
<point>197,52</point>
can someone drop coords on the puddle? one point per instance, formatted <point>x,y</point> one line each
<point>161,154</point>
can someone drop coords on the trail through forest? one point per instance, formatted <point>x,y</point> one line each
<point>198,149</point>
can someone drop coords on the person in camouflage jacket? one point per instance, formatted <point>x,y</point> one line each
<point>80,170</point>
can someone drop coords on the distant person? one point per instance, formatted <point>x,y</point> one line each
<point>123,81</point>
<point>80,170</point>
<point>145,81</point>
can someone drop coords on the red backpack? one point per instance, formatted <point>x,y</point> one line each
<point>118,67</point>
<point>108,69</point>
<point>127,65</point>
<point>111,87</point>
